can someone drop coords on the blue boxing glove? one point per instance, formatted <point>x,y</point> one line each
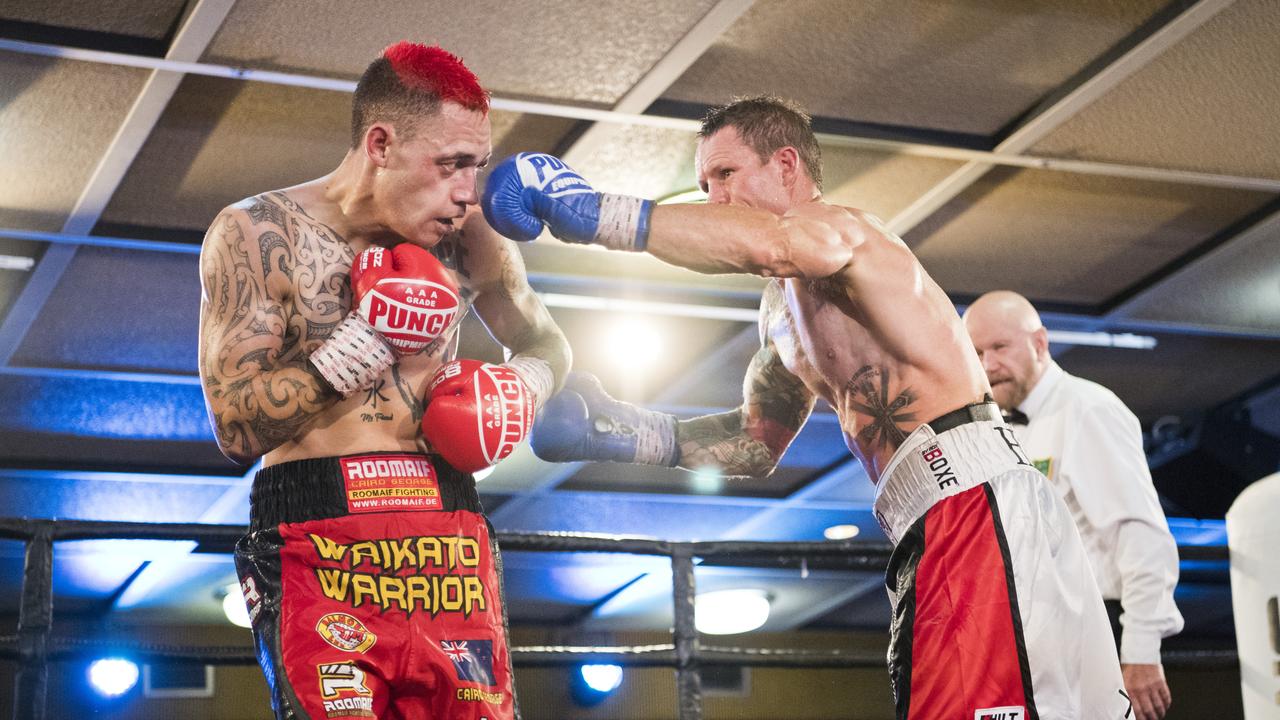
<point>526,190</point>
<point>583,423</point>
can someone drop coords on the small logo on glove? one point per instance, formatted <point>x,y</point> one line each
<point>550,175</point>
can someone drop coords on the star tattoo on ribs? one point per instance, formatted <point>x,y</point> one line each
<point>871,396</point>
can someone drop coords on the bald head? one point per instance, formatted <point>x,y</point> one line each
<point>1011,342</point>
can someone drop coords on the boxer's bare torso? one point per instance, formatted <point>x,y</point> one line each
<point>879,341</point>
<point>284,286</point>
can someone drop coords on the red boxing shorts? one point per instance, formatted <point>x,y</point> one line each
<point>373,585</point>
<point>996,615</point>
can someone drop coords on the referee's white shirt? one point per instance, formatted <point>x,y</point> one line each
<point>1089,445</point>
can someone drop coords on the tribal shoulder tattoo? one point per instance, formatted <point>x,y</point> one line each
<point>274,282</point>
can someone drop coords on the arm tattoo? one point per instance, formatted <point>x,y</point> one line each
<point>720,441</point>
<point>260,388</point>
<point>870,395</point>
<point>751,440</point>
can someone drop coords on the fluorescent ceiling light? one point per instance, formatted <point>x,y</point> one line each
<point>1102,339</point>
<point>234,607</point>
<point>728,612</point>
<point>840,532</point>
<point>16,262</point>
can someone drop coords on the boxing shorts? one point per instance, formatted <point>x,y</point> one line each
<point>996,615</point>
<point>373,586</point>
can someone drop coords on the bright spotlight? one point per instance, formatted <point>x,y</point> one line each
<point>840,532</point>
<point>728,612</point>
<point>234,607</point>
<point>707,480</point>
<point>113,677</point>
<point>602,678</point>
<point>632,343</point>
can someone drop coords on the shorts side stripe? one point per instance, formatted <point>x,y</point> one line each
<point>1023,662</point>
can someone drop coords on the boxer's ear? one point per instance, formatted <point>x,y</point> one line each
<point>377,142</point>
<point>788,161</point>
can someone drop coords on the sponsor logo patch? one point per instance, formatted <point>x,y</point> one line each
<point>252,598</point>
<point>378,483</point>
<point>1011,712</point>
<point>345,632</point>
<point>472,660</point>
<point>939,465</point>
<point>1044,465</point>
<point>344,691</point>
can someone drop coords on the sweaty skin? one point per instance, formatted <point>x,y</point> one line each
<point>850,317</point>
<point>275,272</point>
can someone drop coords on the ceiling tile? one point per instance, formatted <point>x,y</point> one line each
<point>516,49</point>
<point>57,118</point>
<point>1208,103</point>
<point>968,67</point>
<point>1068,238</point>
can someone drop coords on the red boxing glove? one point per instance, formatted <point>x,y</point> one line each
<point>476,414</point>
<point>405,294</point>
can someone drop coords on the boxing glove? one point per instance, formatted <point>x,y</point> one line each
<point>405,294</point>
<point>476,413</point>
<point>530,189</point>
<point>402,300</point>
<point>582,422</point>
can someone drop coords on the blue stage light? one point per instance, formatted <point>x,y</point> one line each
<point>602,678</point>
<point>113,677</point>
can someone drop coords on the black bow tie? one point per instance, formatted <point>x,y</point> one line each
<point>1016,417</point>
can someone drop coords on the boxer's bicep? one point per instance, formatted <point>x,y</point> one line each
<point>513,313</point>
<point>255,400</point>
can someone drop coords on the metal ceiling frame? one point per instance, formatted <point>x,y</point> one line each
<point>1050,118</point>
<point>190,42</point>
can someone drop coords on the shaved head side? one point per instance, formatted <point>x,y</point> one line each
<point>1006,308</point>
<point>1011,343</point>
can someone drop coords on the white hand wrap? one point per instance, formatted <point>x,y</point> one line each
<point>656,439</point>
<point>624,222</point>
<point>354,356</point>
<point>537,376</point>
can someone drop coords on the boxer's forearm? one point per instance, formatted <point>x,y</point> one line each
<point>254,415</point>
<point>733,239</point>
<point>720,442</point>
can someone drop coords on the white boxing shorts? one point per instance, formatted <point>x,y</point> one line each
<point>996,615</point>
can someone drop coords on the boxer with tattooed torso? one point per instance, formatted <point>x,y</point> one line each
<point>988,617</point>
<point>329,322</point>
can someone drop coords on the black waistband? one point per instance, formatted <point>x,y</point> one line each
<point>314,489</point>
<point>977,412</point>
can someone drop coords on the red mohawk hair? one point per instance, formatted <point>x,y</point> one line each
<point>437,71</point>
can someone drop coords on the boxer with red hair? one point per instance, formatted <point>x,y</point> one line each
<point>328,327</point>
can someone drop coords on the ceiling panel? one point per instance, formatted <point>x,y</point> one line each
<point>1174,379</point>
<point>221,140</point>
<point>1207,103</point>
<point>881,183</point>
<point>91,320</point>
<point>57,118</point>
<point>13,277</point>
<point>636,515</point>
<point>967,67</point>
<point>122,497</point>
<point>1236,288</point>
<point>152,19</point>
<point>643,161</point>
<point>1068,238</point>
<point>514,48</point>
